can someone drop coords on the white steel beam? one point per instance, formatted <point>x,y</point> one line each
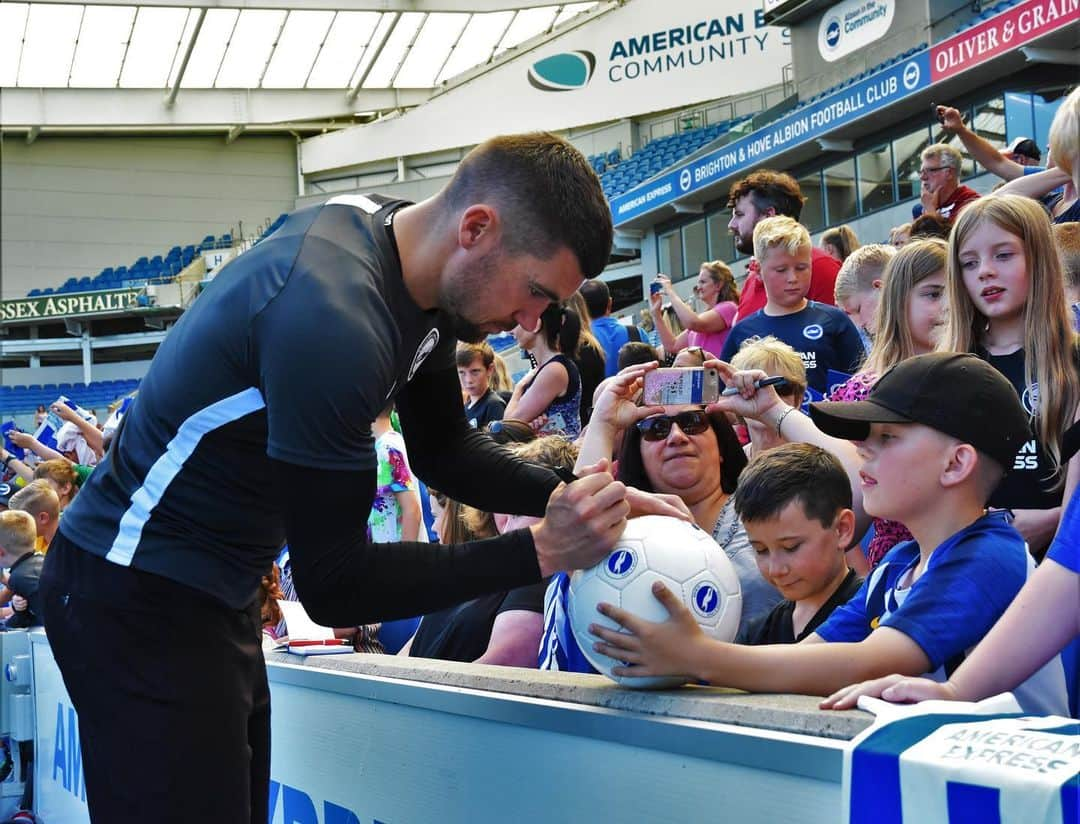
<point>477,6</point>
<point>133,108</point>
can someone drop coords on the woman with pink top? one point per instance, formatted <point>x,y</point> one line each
<point>709,329</point>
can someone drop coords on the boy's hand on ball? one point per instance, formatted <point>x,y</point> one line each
<point>649,648</point>
<point>582,522</point>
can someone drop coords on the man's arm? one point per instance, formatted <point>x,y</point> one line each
<point>983,151</point>
<point>343,580</point>
<point>468,466</point>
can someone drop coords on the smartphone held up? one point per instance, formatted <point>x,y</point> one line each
<point>669,387</point>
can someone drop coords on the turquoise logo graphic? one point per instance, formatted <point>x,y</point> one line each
<point>563,72</point>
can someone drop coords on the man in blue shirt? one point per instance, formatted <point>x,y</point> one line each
<point>611,334</point>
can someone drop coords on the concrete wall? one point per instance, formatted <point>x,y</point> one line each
<point>71,206</point>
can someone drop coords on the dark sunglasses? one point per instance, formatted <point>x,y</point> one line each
<point>691,422</point>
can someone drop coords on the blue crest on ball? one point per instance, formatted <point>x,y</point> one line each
<point>706,598</point>
<point>621,562</point>
<point>563,72</point>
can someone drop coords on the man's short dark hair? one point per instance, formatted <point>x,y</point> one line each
<point>597,298</point>
<point>793,472</point>
<point>769,189</point>
<point>547,194</point>
<point>635,352</point>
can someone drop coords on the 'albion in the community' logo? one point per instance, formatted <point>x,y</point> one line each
<point>563,72</point>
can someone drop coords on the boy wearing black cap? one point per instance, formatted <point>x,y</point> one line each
<point>935,436</point>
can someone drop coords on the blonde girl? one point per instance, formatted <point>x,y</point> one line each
<point>1007,304</point>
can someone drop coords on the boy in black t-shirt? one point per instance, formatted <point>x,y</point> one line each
<point>475,365</point>
<point>795,502</point>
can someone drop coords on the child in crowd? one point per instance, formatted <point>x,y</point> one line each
<point>17,538</point>
<point>839,242</point>
<point>910,317</point>
<point>774,357</point>
<point>475,367</point>
<point>395,514</point>
<point>931,459</point>
<point>795,502</point>
<point>900,235</point>
<point>1007,305</point>
<point>1067,238</point>
<point>858,287</point>
<point>43,505</point>
<point>553,389</point>
<point>64,477</point>
<point>1042,620</point>
<point>821,334</point>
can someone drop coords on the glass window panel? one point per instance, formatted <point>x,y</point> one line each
<point>906,156</point>
<point>813,213</point>
<point>371,52</point>
<point>476,43</point>
<point>394,51</point>
<point>875,178</point>
<point>430,50</point>
<point>297,49</point>
<point>49,44</point>
<point>721,246</point>
<point>210,48</point>
<point>151,60</point>
<point>528,23</point>
<point>988,122</point>
<point>840,192</point>
<point>572,10</point>
<point>670,257</point>
<point>181,45</point>
<point>12,26</point>
<point>695,247</point>
<point>348,37</point>
<point>249,48</point>
<point>100,51</point>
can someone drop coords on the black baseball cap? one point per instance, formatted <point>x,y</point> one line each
<point>6,491</point>
<point>957,394</point>
<point>1025,146</point>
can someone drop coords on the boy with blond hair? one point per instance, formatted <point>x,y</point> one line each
<point>821,334</point>
<point>17,538</point>
<point>858,287</point>
<point>43,505</point>
<point>935,436</point>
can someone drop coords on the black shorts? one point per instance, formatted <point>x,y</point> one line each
<point>170,688</point>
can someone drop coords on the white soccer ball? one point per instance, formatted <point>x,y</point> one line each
<point>656,548</point>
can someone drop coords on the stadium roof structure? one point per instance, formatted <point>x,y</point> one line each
<point>237,66</point>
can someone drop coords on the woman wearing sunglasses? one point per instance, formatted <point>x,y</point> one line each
<point>684,451</point>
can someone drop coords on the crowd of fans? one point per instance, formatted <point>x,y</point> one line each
<point>907,475</point>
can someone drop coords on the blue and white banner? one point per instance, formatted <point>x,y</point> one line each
<point>845,106</point>
<point>963,767</point>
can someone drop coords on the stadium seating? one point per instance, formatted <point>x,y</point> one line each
<point>16,400</point>
<point>155,269</point>
<point>652,159</point>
